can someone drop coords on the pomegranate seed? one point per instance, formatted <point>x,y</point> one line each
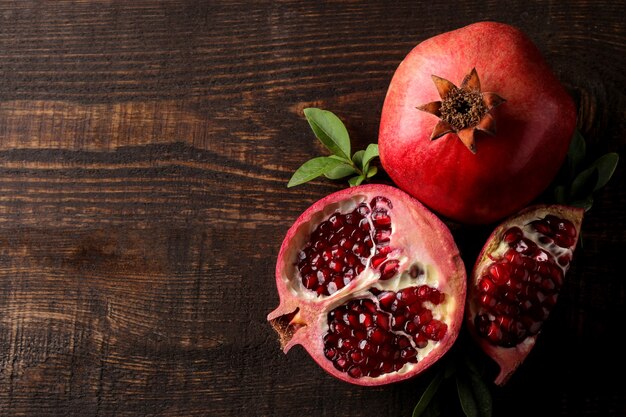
<point>552,220</point>
<point>500,272</point>
<point>381,201</point>
<point>564,260</point>
<point>386,367</point>
<point>487,300</point>
<point>408,295</point>
<point>353,319</point>
<point>385,299</point>
<point>369,305</point>
<point>506,309</point>
<point>360,340</point>
<point>436,297</point>
<point>424,317</point>
<point>366,320</point>
<point>348,344</point>
<point>525,246</point>
<point>408,353</point>
<point>341,363</point>
<point>410,327</point>
<point>398,322</point>
<point>519,274</point>
<point>540,255</point>
<point>382,321</point>
<point>330,353</point>
<point>505,322</point>
<point>421,341</point>
<point>423,292</point>
<point>557,275</point>
<point>359,334</point>
<point>357,356</point>
<point>567,228</point>
<point>512,235</point>
<point>415,308</point>
<point>351,219</point>
<point>377,260</point>
<point>403,342</point>
<point>377,335</point>
<point>541,227</point>
<point>494,333</point>
<point>389,269</point>
<point>380,217</point>
<point>435,330</point>
<point>486,285</point>
<point>383,248</point>
<point>529,264</point>
<point>382,236</point>
<point>548,284</point>
<point>309,281</point>
<point>355,372</point>
<point>363,209</point>
<point>336,220</point>
<point>564,241</point>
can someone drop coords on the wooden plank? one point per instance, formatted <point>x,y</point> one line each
<point>144,151</point>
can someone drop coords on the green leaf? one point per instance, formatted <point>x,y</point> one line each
<point>606,165</point>
<point>313,168</point>
<point>354,181</point>
<point>371,172</point>
<point>576,153</point>
<point>434,407</point>
<point>370,153</point>
<point>330,131</point>
<point>357,159</point>
<point>560,194</point>
<point>340,171</point>
<point>428,395</point>
<point>482,393</point>
<point>466,396</point>
<point>584,183</point>
<point>586,203</point>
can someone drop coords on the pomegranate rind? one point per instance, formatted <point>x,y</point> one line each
<point>508,170</point>
<point>301,318</point>
<point>510,358</point>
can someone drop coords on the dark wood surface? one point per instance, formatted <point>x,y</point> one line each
<point>144,151</point>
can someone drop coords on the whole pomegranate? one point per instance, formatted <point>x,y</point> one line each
<point>474,124</point>
<point>371,284</point>
<point>516,281</point>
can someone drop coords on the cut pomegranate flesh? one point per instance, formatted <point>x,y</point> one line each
<point>339,247</point>
<point>369,337</point>
<point>371,284</point>
<point>517,279</point>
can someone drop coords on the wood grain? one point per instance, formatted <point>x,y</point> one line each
<point>144,152</point>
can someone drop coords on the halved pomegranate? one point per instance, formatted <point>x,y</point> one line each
<point>371,284</point>
<point>516,281</point>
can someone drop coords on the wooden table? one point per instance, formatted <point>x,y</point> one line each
<point>144,152</point>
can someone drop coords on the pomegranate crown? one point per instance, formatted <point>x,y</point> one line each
<point>463,110</point>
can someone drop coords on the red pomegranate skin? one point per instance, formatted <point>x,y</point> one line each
<point>534,125</point>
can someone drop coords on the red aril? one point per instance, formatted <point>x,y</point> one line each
<point>475,125</point>
<point>516,281</point>
<point>371,284</point>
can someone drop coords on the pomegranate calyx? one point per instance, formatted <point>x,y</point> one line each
<point>463,110</point>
